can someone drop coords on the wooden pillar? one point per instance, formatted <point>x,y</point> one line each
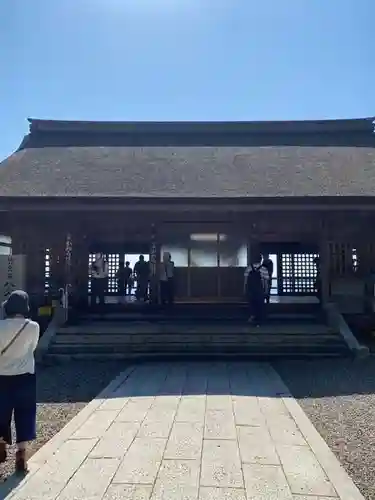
<point>324,257</point>
<point>365,270</point>
<point>35,269</point>
<point>324,262</point>
<point>79,269</point>
<point>154,282</point>
<point>56,253</point>
<point>68,248</point>
<point>68,263</point>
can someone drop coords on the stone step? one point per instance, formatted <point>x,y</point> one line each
<point>207,347</point>
<point>306,303</point>
<point>194,339</point>
<point>193,328</point>
<point>260,355</point>
<point>182,318</point>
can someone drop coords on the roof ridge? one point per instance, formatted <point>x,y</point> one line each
<point>204,127</point>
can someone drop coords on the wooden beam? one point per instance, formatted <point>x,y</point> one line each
<point>181,205</point>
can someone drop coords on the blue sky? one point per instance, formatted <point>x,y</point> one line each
<point>184,60</point>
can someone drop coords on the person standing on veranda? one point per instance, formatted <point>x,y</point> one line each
<point>142,274</point>
<point>268,264</point>
<point>167,287</point>
<point>18,341</point>
<point>99,280</point>
<point>255,287</point>
<point>124,281</point>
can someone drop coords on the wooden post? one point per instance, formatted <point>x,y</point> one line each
<point>35,270</point>
<point>365,268</point>
<point>56,250</point>
<point>324,270</point>
<point>154,292</point>
<point>79,270</point>
<point>67,274</point>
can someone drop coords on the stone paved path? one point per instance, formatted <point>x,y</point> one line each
<point>208,431</point>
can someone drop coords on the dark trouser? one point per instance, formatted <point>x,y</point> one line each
<point>268,292</point>
<point>256,305</point>
<point>142,288</point>
<point>318,289</point>
<point>121,287</point>
<point>128,287</point>
<point>18,398</point>
<point>124,287</point>
<point>98,288</point>
<point>167,292</point>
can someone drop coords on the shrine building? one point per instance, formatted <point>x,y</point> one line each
<point>210,193</point>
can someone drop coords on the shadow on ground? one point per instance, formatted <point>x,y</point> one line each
<point>81,381</point>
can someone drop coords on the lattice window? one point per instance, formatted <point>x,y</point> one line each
<point>113,260</point>
<point>287,272</point>
<point>47,269</point>
<point>298,273</point>
<point>113,265</point>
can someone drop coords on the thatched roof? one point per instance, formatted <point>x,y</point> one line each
<point>203,160</point>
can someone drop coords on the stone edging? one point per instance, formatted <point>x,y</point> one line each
<point>337,321</point>
<point>343,484</point>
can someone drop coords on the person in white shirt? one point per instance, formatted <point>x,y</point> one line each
<point>99,280</point>
<point>255,288</point>
<point>18,340</point>
<point>167,280</point>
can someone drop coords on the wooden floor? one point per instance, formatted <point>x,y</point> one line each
<point>275,299</point>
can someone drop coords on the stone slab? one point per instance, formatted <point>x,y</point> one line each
<point>177,479</point>
<point>164,402</point>
<point>221,464</point>
<point>116,440</point>
<point>91,480</point>
<point>219,424</point>
<point>206,493</point>
<point>114,403</point>
<point>303,471</point>
<point>195,384</point>
<point>312,497</point>
<point>273,406</point>
<point>256,446</point>
<point>185,441</point>
<point>265,482</point>
<point>141,462</point>
<point>135,410</point>
<point>156,429</point>
<point>96,425</point>
<point>191,409</point>
<point>128,492</point>
<point>52,477</point>
<point>219,402</point>
<point>246,411</point>
<point>284,430</point>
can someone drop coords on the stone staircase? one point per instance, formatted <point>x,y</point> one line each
<point>192,332</point>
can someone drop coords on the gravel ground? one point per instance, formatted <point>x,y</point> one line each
<point>63,391</point>
<point>339,398</point>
